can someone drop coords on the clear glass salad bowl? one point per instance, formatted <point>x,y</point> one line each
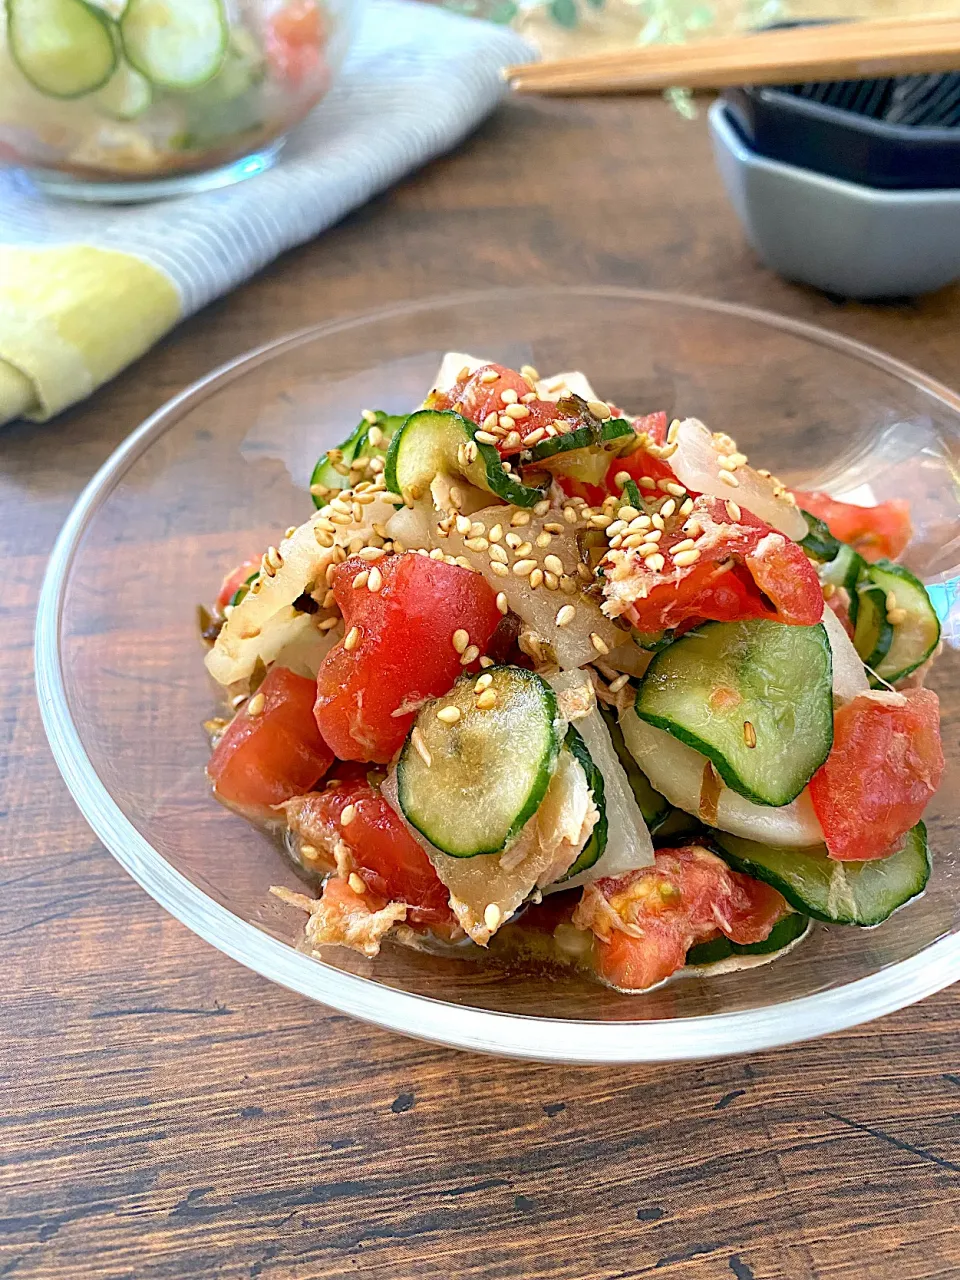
<point>215,474</point>
<point>133,99</point>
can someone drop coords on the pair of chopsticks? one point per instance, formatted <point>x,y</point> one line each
<point>838,51</point>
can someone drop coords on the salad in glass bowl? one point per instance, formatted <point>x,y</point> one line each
<point>98,94</point>
<point>579,688</point>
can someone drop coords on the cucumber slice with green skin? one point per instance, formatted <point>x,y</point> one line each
<point>845,570</point>
<point>706,687</point>
<point>65,48</point>
<point>431,442</point>
<point>652,641</point>
<point>652,805</point>
<point>678,827</point>
<point>631,493</point>
<point>873,634</point>
<point>357,445</point>
<point>593,849</point>
<point>489,771</point>
<point>783,933</point>
<point>861,893</point>
<point>916,636</point>
<point>606,435</point>
<point>819,542</point>
<point>242,590</point>
<point>176,44</point>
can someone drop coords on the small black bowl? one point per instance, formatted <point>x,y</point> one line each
<point>861,141</point>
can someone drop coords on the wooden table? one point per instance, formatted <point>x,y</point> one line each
<point>168,1114</point>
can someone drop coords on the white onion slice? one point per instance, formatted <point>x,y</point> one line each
<point>849,675</point>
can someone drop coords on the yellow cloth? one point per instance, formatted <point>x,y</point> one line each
<point>72,316</point>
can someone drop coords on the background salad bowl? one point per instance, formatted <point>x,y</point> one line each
<point>213,476</point>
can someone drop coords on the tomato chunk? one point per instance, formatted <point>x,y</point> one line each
<point>234,580</point>
<point>403,653</point>
<point>389,860</point>
<point>265,758</point>
<point>482,393</point>
<point>886,763</point>
<point>294,38</point>
<point>880,532</point>
<point>742,568</point>
<point>644,923</point>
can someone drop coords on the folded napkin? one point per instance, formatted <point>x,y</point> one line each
<point>84,290</point>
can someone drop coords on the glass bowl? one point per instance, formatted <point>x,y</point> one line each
<point>214,475</point>
<point>125,100</point>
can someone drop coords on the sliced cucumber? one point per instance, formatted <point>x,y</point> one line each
<point>754,697</point>
<point>605,435</point>
<point>65,48</point>
<point>356,446</point>
<point>126,95</point>
<point>242,590</point>
<point>652,641</point>
<point>176,44</point>
<point>845,570</point>
<point>678,827</point>
<point>872,634</point>
<point>488,771</point>
<point>651,804</point>
<point>861,893</point>
<point>595,846</point>
<point>819,542</point>
<point>783,933</point>
<point>631,492</point>
<point>914,637</point>
<point>432,442</point>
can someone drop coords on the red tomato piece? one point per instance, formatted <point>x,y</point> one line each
<point>885,764</point>
<point>640,463</point>
<point>294,38</point>
<point>880,532</point>
<point>234,581</point>
<point>745,569</point>
<point>266,758</point>
<point>645,922</point>
<point>368,696</point>
<point>478,395</point>
<point>389,860</point>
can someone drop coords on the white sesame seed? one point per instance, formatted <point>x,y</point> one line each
<point>728,478</point>
<point>599,408</point>
<point>368,415</point>
<point>483,682</point>
<point>517,412</point>
<point>726,463</point>
<point>685,545</point>
<point>570,515</point>
<point>476,544</point>
<point>463,524</point>
<point>460,639</point>
<point>529,372</point>
<point>496,533</point>
<point>327,624</point>
<point>673,431</point>
<point>647,549</point>
<point>449,715</point>
<point>542,508</point>
<point>628,513</point>
<point>683,559</point>
<point>599,643</point>
<point>492,915</point>
<point>256,704</point>
<point>536,578</point>
<point>653,535</point>
<point>505,423</point>
<point>657,520</point>
<point>551,581</point>
<point>498,555</point>
<point>565,614</point>
<point>897,616</point>
<point>656,563</point>
<point>509,396</point>
<point>523,550</point>
<point>553,526</point>
<point>469,655</point>
<point>416,737</point>
<point>534,437</point>
<point>489,375</point>
<point>502,603</point>
<point>487,700</point>
<point>668,508</point>
<point>437,554</point>
<point>500,570</point>
<point>618,684</point>
<point>677,490</point>
<point>375,580</point>
<point>544,539</point>
<point>686,506</point>
<point>485,437</point>
<point>523,568</point>
<point>354,881</point>
<point>351,638</point>
<point>347,814</point>
<point>554,564</point>
<point>646,482</point>
<point>891,601</point>
<point>520,518</point>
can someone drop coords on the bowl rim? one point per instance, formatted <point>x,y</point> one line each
<point>724,127</point>
<point>426,1017</point>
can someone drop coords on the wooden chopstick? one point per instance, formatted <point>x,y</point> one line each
<point>841,51</point>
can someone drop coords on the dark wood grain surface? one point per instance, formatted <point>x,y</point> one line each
<point>168,1114</point>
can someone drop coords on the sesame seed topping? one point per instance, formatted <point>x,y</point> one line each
<point>542,508</point>
<point>683,559</point>
<point>463,524</point>
<point>509,396</point>
<point>505,468</point>
<point>685,545</point>
<point>502,603</point>
<point>327,624</point>
<point>544,539</point>
<point>553,526</point>
<point>523,568</point>
<point>520,518</point>
<point>476,544</point>
<point>500,570</point>
<point>728,478</point>
<point>554,564</point>
<point>657,520</point>
<point>619,683</point>
<point>550,580</point>
<point>897,616</point>
<point>361,579</point>
<point>749,734</point>
<point>726,463</point>
<point>449,715</point>
<point>375,581</point>
<point>647,549</point>
<point>513,540</point>
<point>461,639</point>
<point>599,643</point>
<point>668,508</point>
<point>566,614</point>
<point>671,487</point>
<point>416,737</point>
<point>496,533</point>
<point>630,541</point>
<point>891,601</point>
<point>505,423</point>
<point>256,704</point>
<point>536,578</point>
<point>656,562</point>
<point>469,655</point>
<point>368,415</point>
<point>353,880</point>
<point>347,814</point>
<point>829,590</point>
<point>351,638</point>
<point>599,408</point>
<point>570,515</point>
<point>628,513</point>
<point>534,437</point>
<point>529,372</point>
<point>523,550</point>
<point>517,412</point>
<point>498,555</point>
<point>489,375</point>
<point>437,554</point>
<point>621,478</point>
<point>512,441</point>
<point>483,682</point>
<point>491,915</point>
<point>375,437</point>
<point>485,437</point>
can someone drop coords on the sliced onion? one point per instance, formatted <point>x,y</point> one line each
<point>849,675</point>
<point>696,464</point>
<point>676,771</point>
<point>628,841</point>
